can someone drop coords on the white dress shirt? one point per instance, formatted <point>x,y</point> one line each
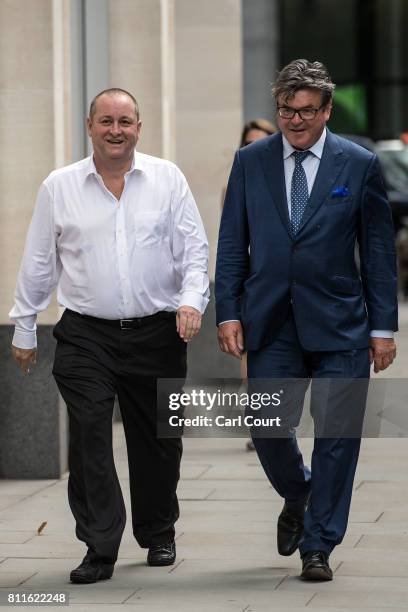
<point>109,258</point>
<point>311,165</point>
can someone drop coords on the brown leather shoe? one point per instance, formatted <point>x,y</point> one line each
<point>316,566</point>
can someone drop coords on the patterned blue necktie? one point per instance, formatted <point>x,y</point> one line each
<point>299,193</point>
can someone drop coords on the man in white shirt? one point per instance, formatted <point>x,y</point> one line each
<point>120,236</point>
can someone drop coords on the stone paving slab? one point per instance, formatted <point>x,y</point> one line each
<point>365,556</point>
<point>267,510</point>
<point>380,529</point>
<point>205,545</point>
<point>139,607</point>
<point>393,568</point>
<point>39,548</point>
<point>379,601</point>
<point>186,594</point>
<point>234,472</point>
<point>229,494</point>
<point>13,579</point>
<point>94,595</point>
<point>393,516</point>
<point>385,542</point>
<point>267,523</point>
<point>24,487</point>
<point>351,584</point>
<point>378,474</point>
<point>8,501</point>
<point>190,471</point>
<point>392,491</point>
<point>14,537</point>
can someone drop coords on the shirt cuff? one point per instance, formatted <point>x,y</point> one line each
<point>194,299</point>
<point>24,339</point>
<point>230,321</point>
<point>381,333</point>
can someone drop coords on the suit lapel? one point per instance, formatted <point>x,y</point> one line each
<point>331,164</point>
<point>272,166</point>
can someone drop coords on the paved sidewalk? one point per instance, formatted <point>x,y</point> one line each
<point>226,542</point>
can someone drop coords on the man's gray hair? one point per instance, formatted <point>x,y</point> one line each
<point>302,74</point>
<point>113,91</point>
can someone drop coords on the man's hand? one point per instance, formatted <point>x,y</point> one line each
<point>231,338</point>
<point>382,352</point>
<point>188,322</point>
<point>24,357</point>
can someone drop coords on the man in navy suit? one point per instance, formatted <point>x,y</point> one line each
<point>290,293</point>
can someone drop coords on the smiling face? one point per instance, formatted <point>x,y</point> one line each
<point>303,134</point>
<point>114,129</point>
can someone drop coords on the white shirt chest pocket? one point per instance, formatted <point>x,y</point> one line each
<point>150,228</point>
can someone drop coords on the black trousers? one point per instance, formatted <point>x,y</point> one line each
<point>94,360</point>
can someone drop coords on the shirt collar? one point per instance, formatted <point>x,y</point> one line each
<point>316,149</point>
<point>137,164</point>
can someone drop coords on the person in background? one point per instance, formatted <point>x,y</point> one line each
<point>255,130</point>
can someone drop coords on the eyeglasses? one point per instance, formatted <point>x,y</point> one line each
<point>306,114</point>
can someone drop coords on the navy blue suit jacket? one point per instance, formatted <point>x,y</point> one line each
<point>262,269</point>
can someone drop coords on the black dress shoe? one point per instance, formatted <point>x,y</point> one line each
<point>162,554</point>
<point>290,528</point>
<point>316,566</point>
<point>91,571</point>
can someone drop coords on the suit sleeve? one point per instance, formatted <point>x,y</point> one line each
<point>233,248</point>
<point>377,252</point>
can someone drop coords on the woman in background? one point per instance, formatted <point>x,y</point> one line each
<point>256,129</point>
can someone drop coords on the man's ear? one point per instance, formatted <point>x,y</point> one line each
<point>88,125</point>
<point>328,110</point>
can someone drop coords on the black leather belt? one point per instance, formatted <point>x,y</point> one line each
<point>124,323</point>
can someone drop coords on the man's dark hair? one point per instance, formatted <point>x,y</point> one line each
<point>302,74</point>
<point>112,91</point>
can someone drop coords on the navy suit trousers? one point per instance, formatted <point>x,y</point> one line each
<point>334,459</point>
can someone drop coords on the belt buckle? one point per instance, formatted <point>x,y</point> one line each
<point>126,323</point>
